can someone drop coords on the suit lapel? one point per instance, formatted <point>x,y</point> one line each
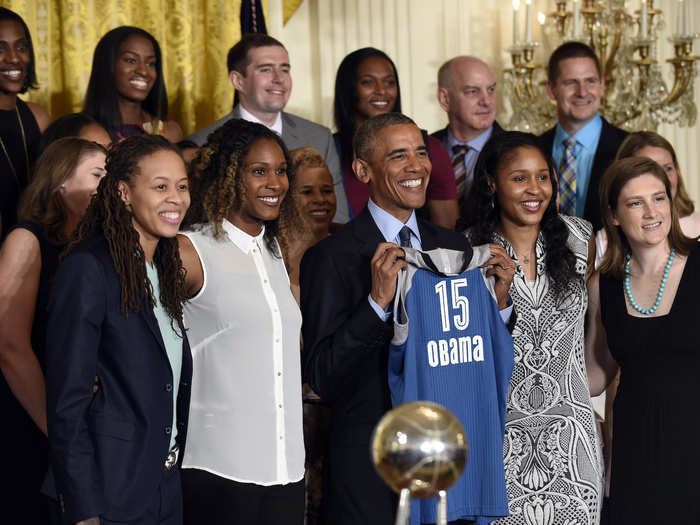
<point>547,141</point>
<point>606,149</point>
<point>428,238</point>
<point>366,233</point>
<point>289,130</point>
<point>152,324</point>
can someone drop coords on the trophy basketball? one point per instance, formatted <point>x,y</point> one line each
<point>420,450</point>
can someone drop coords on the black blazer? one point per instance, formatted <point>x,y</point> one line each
<point>610,139</point>
<point>107,448</point>
<point>345,360</point>
<point>441,134</point>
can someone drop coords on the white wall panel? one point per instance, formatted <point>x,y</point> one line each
<point>420,35</point>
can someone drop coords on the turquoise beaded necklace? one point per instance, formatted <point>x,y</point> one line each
<point>628,288</point>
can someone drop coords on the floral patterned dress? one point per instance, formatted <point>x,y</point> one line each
<point>552,455</point>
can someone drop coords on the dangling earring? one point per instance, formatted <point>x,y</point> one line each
<point>492,198</point>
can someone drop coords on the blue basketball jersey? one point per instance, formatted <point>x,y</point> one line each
<point>451,347</point>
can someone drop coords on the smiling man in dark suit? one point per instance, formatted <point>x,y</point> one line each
<point>583,144</point>
<point>348,282</point>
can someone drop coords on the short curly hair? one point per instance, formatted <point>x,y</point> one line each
<point>217,185</point>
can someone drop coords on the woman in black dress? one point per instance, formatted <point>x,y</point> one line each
<point>641,319</point>
<point>21,123</point>
<point>66,176</point>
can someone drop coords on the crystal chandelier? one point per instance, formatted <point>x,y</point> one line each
<point>636,94</point>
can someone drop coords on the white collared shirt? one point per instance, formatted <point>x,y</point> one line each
<point>245,419</point>
<point>276,126</point>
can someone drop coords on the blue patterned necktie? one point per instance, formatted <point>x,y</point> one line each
<point>567,178</point>
<point>405,237</point>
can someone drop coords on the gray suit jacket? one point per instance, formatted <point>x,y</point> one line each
<point>297,133</point>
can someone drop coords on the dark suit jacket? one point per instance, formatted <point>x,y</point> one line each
<point>345,360</point>
<point>441,134</point>
<point>610,140</point>
<point>108,448</point>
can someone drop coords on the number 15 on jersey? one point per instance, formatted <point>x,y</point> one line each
<point>459,302</point>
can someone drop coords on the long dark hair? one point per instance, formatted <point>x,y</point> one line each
<point>217,186</point>
<point>109,216</point>
<point>345,101</point>
<point>101,97</point>
<point>482,213</point>
<point>30,81</point>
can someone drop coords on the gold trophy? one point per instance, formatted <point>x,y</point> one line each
<point>420,450</point>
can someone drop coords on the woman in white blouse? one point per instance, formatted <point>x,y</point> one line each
<point>244,460</point>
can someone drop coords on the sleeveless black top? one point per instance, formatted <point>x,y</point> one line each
<point>13,183</point>
<point>26,446</point>
<point>655,458</point>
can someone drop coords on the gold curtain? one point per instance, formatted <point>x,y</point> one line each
<point>288,9</point>
<point>194,36</point>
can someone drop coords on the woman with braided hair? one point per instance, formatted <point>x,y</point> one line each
<point>118,360</point>
<point>244,461</point>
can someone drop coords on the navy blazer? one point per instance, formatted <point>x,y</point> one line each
<point>345,359</point>
<point>610,139</point>
<point>108,447</point>
<point>441,134</point>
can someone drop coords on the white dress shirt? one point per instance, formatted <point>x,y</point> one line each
<point>276,126</point>
<point>389,226</point>
<point>245,419</point>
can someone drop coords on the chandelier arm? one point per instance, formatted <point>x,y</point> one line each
<point>682,73</point>
<point>610,63</point>
<point>528,84</point>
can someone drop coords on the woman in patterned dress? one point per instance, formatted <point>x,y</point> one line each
<point>552,455</point>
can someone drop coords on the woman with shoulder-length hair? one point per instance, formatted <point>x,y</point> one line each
<point>65,178</point>
<point>244,461</point>
<point>126,91</point>
<point>552,456</point>
<point>642,318</point>
<point>653,146</point>
<point>118,361</point>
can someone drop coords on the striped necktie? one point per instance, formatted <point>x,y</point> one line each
<point>567,178</point>
<point>460,153</point>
